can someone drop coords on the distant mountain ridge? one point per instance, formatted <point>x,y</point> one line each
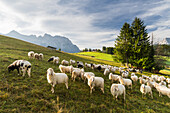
<point>165,41</point>
<point>47,40</point>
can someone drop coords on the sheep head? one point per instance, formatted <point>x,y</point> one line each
<point>11,68</point>
<point>51,59</point>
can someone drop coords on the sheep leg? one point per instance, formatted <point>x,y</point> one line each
<point>29,72</point>
<point>151,95</point>
<point>24,71</point>
<point>91,90</point>
<point>52,88</point>
<point>66,85</point>
<point>102,90</point>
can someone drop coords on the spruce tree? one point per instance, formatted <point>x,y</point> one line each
<point>123,44</point>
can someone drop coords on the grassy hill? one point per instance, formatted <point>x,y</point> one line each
<point>24,94</point>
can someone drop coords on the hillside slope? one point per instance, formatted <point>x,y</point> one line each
<point>24,94</point>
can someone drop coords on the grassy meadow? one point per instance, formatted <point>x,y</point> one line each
<point>24,94</point>
<point>107,57</point>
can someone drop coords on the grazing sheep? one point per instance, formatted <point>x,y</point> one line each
<point>96,82</point>
<point>113,77</point>
<point>65,62</point>
<point>66,69</point>
<point>126,82</point>
<point>36,55</point>
<point>155,77</point>
<point>72,62</point>
<point>145,77</point>
<point>134,78</point>
<point>21,65</point>
<point>112,69</point>
<point>31,54</point>
<point>162,90</point>
<point>86,75</point>
<point>56,78</point>
<point>118,89</point>
<point>80,64</point>
<point>41,56</point>
<point>77,73</point>
<point>88,65</point>
<point>151,84</point>
<point>106,71</point>
<point>146,89</point>
<point>94,66</point>
<point>54,59</point>
<point>142,81</point>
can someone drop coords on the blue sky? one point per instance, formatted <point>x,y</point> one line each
<point>87,23</point>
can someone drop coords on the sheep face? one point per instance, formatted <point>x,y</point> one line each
<point>50,71</point>
<point>11,68</point>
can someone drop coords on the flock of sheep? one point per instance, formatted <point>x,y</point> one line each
<point>125,79</point>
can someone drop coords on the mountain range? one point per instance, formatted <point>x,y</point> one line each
<point>47,40</point>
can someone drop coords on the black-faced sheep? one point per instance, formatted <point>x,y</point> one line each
<point>21,65</point>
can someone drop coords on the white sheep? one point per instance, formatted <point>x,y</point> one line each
<point>66,69</point>
<point>125,74</point>
<point>54,59</point>
<point>72,62</point>
<point>118,89</point>
<point>142,81</point>
<point>134,78</point>
<point>162,90</point>
<point>86,75</point>
<point>88,65</point>
<point>146,89</point>
<point>106,71</point>
<point>96,82</point>
<point>126,82</point>
<point>168,85</point>
<point>56,78</point>
<point>113,77</point>
<point>36,55</point>
<point>21,65</point>
<point>151,84</point>
<point>65,62</point>
<point>31,54</point>
<point>41,56</point>
<point>77,73</point>
<point>162,83</point>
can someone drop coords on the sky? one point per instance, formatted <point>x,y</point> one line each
<point>87,23</point>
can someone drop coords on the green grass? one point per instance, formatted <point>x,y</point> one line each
<point>24,94</point>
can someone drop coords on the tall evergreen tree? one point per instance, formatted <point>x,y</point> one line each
<point>123,44</point>
<point>140,44</point>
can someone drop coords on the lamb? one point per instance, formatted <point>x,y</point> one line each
<point>65,62</point>
<point>21,65</point>
<point>113,77</point>
<point>146,89</point>
<point>41,56</point>
<point>66,69</point>
<point>77,73</point>
<point>36,55</point>
<point>106,71</point>
<point>126,82</point>
<point>96,82</point>
<point>118,89</point>
<point>56,78</point>
<point>162,90</point>
<point>134,78</point>
<point>72,62</point>
<point>31,54</point>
